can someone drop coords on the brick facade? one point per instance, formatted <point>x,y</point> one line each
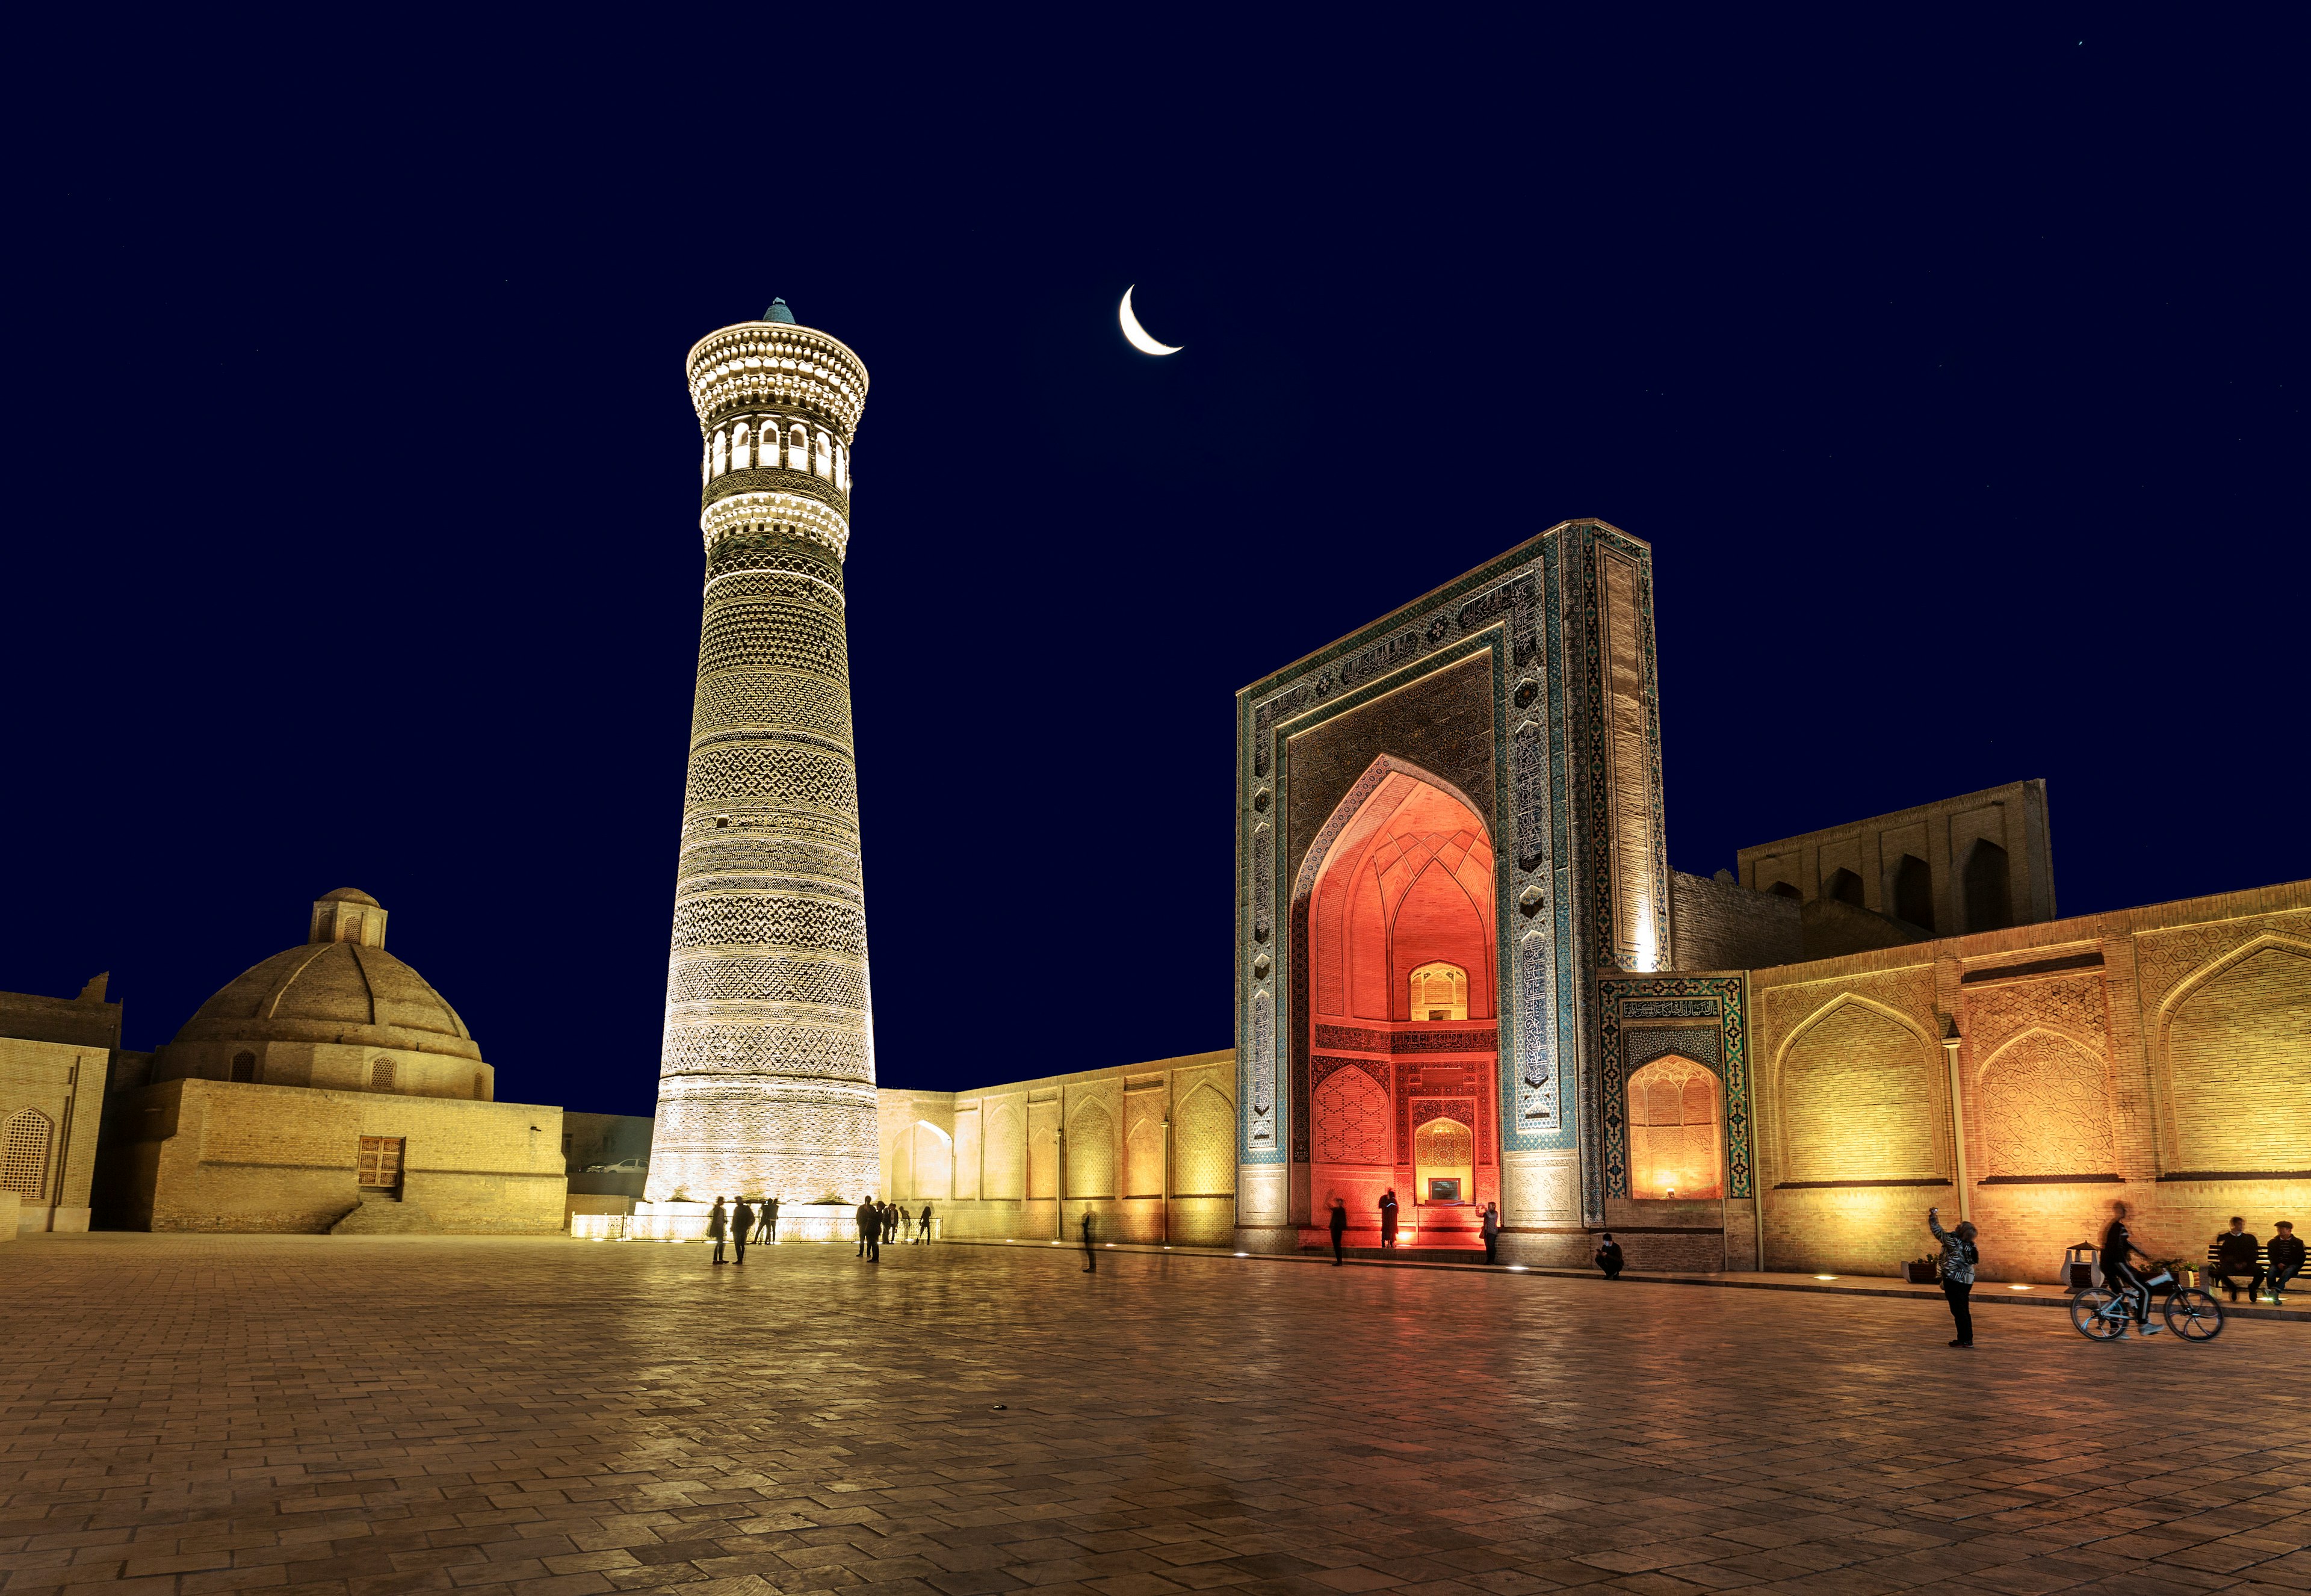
<point>2161,1055</point>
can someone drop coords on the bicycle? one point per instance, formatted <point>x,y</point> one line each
<point>2102,1315</point>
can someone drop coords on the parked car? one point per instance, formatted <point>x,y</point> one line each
<point>624,1166</point>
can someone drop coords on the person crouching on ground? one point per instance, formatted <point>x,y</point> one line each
<point>2286,1258</point>
<point>1959,1256</point>
<point>1609,1257</point>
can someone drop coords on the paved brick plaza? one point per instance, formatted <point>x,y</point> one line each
<point>341,1416</point>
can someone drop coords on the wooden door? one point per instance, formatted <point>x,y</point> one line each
<point>380,1163</point>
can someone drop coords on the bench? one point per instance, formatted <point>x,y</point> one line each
<point>2214,1263</point>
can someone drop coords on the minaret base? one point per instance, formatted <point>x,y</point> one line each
<point>798,1140</point>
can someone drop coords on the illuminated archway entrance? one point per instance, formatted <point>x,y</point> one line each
<point>1397,1079</point>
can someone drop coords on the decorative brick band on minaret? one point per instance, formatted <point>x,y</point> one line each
<point>767,1082</point>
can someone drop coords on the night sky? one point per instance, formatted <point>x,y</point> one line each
<point>1956,378</point>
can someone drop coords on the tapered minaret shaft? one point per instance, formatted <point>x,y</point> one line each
<point>766,1081</point>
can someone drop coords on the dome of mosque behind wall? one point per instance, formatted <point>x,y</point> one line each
<point>340,987</point>
<point>334,991</point>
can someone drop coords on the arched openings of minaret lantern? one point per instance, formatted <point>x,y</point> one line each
<point>769,441</point>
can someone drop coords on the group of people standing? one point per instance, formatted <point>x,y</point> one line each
<point>1488,1225</point>
<point>734,1222</point>
<point>881,1222</point>
<point>740,1224</point>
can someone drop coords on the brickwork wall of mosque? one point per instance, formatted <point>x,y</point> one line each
<point>2160,1055</point>
<point>216,1156</point>
<point>1148,1150</point>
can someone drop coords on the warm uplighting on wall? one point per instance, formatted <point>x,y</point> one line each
<point>2018,1288</point>
<point>1825,1277</point>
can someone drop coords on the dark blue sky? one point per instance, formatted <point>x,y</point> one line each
<point>1956,376</point>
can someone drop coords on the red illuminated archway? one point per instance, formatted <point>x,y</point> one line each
<point>1397,899</point>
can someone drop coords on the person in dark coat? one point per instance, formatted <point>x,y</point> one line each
<point>923,1231</point>
<point>2286,1257</point>
<point>717,1223</point>
<point>1959,1257</point>
<point>893,1216</point>
<point>1609,1257</point>
<point>1091,1258</point>
<point>2119,1275</point>
<point>1340,1229</point>
<point>870,1233</point>
<point>2235,1255</point>
<point>742,1226</point>
<point>1492,1230</point>
<point>1388,1220</point>
<point>770,1219</point>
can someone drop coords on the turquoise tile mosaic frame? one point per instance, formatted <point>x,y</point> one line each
<point>1701,1017</point>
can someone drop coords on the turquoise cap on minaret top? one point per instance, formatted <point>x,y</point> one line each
<point>778,312</point>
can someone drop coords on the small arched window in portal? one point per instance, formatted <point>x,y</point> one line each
<point>1843,885</point>
<point>841,467</point>
<point>825,462</point>
<point>381,1076</point>
<point>1989,896</point>
<point>1440,992</point>
<point>1914,891</point>
<point>244,1067</point>
<point>739,458</point>
<point>721,452</point>
<point>798,448</point>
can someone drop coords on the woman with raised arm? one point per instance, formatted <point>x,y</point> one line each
<point>1959,1256</point>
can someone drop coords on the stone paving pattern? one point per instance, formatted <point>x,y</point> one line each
<point>378,1417</point>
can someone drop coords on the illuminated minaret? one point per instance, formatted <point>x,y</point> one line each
<point>767,1078</point>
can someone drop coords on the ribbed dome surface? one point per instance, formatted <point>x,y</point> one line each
<point>333,991</point>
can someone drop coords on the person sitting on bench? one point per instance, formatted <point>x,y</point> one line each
<point>2235,1253</point>
<point>2286,1259</point>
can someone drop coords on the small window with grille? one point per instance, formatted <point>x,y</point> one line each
<point>380,1163</point>
<point>244,1067</point>
<point>381,1076</point>
<point>24,1156</point>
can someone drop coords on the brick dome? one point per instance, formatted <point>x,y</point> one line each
<point>340,987</point>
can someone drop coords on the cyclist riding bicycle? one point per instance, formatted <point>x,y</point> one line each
<point>2117,1247</point>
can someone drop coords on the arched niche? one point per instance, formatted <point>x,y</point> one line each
<point>2232,1041</point>
<point>1396,929</point>
<point>1860,1095</point>
<point>1677,1129</point>
<point>922,1162</point>
<point>2046,1108</point>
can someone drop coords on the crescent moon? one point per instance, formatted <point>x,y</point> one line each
<point>1135,334</point>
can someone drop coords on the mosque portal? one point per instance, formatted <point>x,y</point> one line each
<point>1447,823</point>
